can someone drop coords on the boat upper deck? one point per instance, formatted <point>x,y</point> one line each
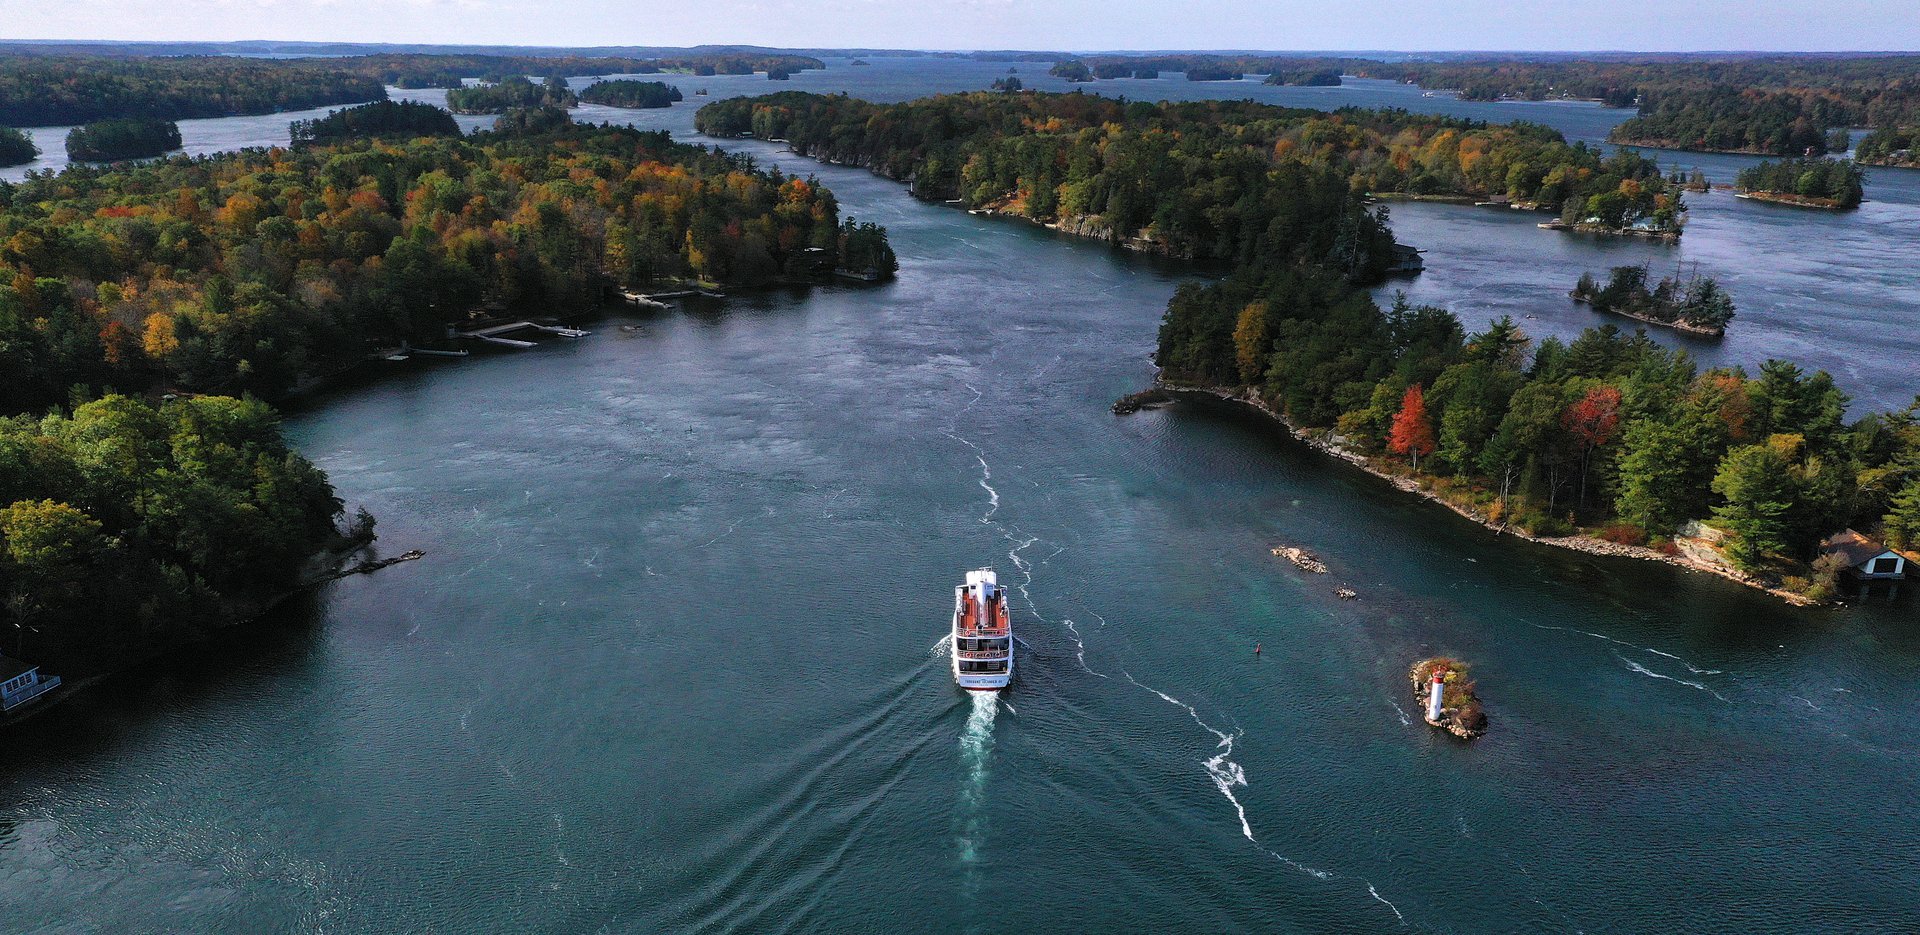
<point>994,622</point>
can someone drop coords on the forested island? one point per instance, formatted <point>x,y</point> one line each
<point>1204,179</point>
<point>16,148</point>
<point>389,119</point>
<point>257,271</point>
<point>122,138</point>
<point>628,92</point>
<point>1807,183</point>
<point>1075,71</point>
<point>511,92</point>
<point>1306,78</point>
<point>1697,304</point>
<point>39,91</point>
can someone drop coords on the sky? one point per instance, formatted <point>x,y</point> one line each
<point>1078,25</point>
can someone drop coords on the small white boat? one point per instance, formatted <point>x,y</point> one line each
<point>982,633</point>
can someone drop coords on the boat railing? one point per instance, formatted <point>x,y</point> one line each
<point>983,654</point>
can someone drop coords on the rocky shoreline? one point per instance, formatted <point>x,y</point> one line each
<point>1579,543</point>
<point>1794,201</point>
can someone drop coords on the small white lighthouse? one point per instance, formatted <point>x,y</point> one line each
<point>1434,692</point>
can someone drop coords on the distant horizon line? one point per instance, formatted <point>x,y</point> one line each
<point>1356,52</point>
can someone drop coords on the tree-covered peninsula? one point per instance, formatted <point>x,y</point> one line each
<point>389,119</point>
<point>255,271</point>
<point>1890,146</point>
<point>1610,433</point>
<point>1205,179</point>
<point>511,92</point>
<point>628,92</point>
<point>127,528</point>
<point>122,138</point>
<point>16,148</point>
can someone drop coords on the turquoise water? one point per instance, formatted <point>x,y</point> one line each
<point>671,663</point>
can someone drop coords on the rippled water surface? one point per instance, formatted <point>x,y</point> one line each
<point>671,662</point>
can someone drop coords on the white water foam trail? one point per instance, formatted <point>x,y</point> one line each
<point>1227,774</point>
<point>1643,670</point>
<point>976,746</point>
<point>1645,649</point>
<point>1080,647</point>
<point>1396,909</point>
<point>986,478</point>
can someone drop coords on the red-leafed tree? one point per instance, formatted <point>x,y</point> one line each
<point>1592,422</point>
<point>1412,431</point>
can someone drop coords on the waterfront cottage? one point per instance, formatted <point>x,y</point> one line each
<point>20,683</point>
<point>1866,559</point>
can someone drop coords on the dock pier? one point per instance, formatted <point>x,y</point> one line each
<point>492,333</point>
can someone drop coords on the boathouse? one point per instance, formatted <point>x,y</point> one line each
<point>1866,559</point>
<point>20,683</point>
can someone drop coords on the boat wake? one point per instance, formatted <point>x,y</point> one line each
<point>1690,667</point>
<point>1021,543</point>
<point>1396,909</point>
<point>1643,670</point>
<point>1227,775</point>
<point>976,747</point>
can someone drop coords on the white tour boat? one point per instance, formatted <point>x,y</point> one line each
<point>982,633</point>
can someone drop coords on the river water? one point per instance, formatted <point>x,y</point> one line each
<point>671,662</point>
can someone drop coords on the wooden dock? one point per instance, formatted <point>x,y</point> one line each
<point>492,333</point>
<point>640,299</point>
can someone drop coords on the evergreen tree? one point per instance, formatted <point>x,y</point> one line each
<point>1903,521</point>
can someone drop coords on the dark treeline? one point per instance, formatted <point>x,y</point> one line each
<point>631,93</point>
<point>16,148</point>
<point>448,71</point>
<point>127,527</point>
<point>56,91</point>
<point>253,271</point>
<point>1217,180</point>
<point>402,119</point>
<point>61,89</point>
<point>511,92</point>
<point>1730,119</point>
<point>122,138</point>
<point>1832,182</point>
<point>1287,69</point>
<point>1778,105</point>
